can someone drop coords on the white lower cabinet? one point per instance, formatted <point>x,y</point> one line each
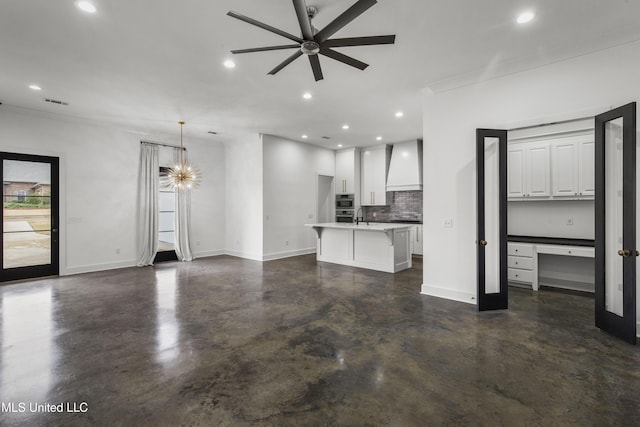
<point>520,263</point>
<point>417,239</point>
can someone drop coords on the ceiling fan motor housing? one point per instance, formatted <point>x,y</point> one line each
<point>310,48</point>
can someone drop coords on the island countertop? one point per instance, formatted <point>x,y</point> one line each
<point>372,226</point>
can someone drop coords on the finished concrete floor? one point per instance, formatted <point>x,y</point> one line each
<point>226,341</point>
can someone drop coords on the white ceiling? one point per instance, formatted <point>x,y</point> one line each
<point>146,64</point>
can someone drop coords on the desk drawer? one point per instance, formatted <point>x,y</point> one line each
<point>523,263</point>
<point>517,275</point>
<point>580,251</point>
<point>520,249</point>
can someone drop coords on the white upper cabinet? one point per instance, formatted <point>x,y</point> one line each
<point>528,171</point>
<point>538,183</point>
<point>574,167</point>
<point>587,168</point>
<point>559,168</point>
<point>347,171</point>
<point>375,165</point>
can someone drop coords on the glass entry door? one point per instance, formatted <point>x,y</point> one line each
<point>29,226</point>
<point>491,175</point>
<point>616,250</point>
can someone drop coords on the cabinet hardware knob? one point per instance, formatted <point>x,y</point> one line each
<point>624,252</point>
<point>483,243</point>
<point>516,262</point>
<point>569,251</point>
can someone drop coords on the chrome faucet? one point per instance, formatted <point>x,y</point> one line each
<point>358,219</point>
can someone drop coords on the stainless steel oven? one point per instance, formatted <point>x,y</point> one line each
<point>344,215</point>
<point>344,201</point>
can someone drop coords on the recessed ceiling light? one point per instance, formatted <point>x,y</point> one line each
<point>525,17</point>
<point>86,6</point>
<point>307,95</point>
<point>345,127</point>
<point>339,145</point>
<point>304,137</point>
<point>229,63</point>
<point>399,114</point>
<point>378,138</point>
<point>35,87</point>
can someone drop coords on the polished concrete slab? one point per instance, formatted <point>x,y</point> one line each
<point>226,341</point>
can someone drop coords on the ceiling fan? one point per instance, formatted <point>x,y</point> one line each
<point>314,42</point>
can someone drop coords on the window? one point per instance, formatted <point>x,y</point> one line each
<point>21,195</point>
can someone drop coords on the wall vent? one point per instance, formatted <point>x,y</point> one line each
<point>326,137</point>
<point>55,101</point>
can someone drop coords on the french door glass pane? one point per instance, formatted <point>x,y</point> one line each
<point>613,210</point>
<point>166,219</point>
<point>26,213</point>
<point>492,214</point>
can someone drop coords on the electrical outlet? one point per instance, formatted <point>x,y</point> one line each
<point>117,250</point>
<point>447,223</point>
<point>375,214</point>
<point>286,243</point>
<point>310,216</point>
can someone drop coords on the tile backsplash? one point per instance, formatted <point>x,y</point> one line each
<point>403,206</point>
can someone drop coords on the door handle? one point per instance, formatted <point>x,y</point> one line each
<point>483,243</point>
<point>624,252</point>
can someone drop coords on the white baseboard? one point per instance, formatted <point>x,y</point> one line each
<point>245,255</point>
<point>450,294</point>
<point>97,267</point>
<point>205,254</point>
<point>287,254</point>
<point>638,330</point>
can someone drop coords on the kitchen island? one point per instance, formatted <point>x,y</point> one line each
<point>376,246</point>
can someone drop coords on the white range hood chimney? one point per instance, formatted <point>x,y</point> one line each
<point>405,170</point>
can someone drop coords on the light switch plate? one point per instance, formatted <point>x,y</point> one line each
<point>447,223</point>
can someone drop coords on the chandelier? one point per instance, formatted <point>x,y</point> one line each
<point>183,175</point>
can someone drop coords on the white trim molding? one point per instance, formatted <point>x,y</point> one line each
<point>450,294</point>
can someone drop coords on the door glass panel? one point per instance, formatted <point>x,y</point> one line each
<point>26,213</point>
<point>166,215</point>
<point>492,214</point>
<point>613,210</point>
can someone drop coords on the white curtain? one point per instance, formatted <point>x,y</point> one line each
<point>183,217</point>
<point>148,180</point>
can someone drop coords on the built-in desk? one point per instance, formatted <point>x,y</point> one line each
<point>524,253</point>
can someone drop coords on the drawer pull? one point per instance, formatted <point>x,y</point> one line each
<point>624,252</point>
<point>569,251</point>
<point>516,262</point>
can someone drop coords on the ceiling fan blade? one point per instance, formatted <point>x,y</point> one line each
<point>286,62</point>
<point>264,26</point>
<point>360,41</point>
<point>263,49</point>
<point>315,66</point>
<point>303,19</point>
<point>343,58</point>
<point>347,16</point>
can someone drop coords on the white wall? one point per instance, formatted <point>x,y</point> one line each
<point>244,199</point>
<point>550,218</point>
<point>98,180</point>
<point>559,91</point>
<point>290,199</point>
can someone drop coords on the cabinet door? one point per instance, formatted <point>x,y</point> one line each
<point>366,182</point>
<point>417,242</point>
<point>374,177</point>
<point>515,162</point>
<point>565,165</point>
<point>537,183</point>
<point>586,168</point>
<point>344,172</point>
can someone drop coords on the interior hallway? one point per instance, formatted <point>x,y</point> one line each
<point>228,341</point>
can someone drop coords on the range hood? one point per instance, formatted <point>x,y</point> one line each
<point>405,169</point>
